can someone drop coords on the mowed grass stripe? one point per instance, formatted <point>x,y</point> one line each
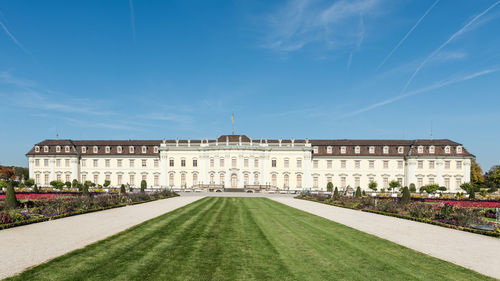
<point>221,238</point>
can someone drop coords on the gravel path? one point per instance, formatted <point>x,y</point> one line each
<point>33,244</point>
<point>477,252</point>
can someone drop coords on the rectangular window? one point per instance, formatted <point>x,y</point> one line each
<point>47,179</point>
<point>273,163</point>
<point>447,164</point>
<point>212,163</point>
<point>171,162</point>
<point>447,183</point>
<point>343,182</point>
<point>420,164</point>
<point>357,164</point>
<point>58,162</point>
<point>315,181</point>
<point>329,164</point>
<point>37,162</point>
<point>132,180</point>
<point>144,177</point>
<point>431,180</point>
<point>58,177</point>
<point>46,162</point>
<point>400,164</point>
<point>371,164</point>
<point>95,162</point>
<point>286,163</point>
<point>431,164</point>
<point>245,162</point>
<point>256,163</point>
<point>107,162</point>
<point>195,162</point>
<point>342,164</point>
<point>119,179</point>
<point>299,163</point>
<point>68,177</point>
<point>233,162</point>
<point>66,162</point>
<point>156,163</point>
<point>144,163</point>
<point>245,179</point>
<point>84,178</point>
<point>386,164</point>
<point>386,182</point>
<point>96,179</point>
<point>420,182</point>
<point>357,182</point>
<point>131,163</point>
<point>458,183</point>
<point>315,164</point>
<point>108,177</point>
<point>459,165</point>
<point>119,162</point>
<point>221,162</point>
<point>400,180</point>
<point>183,162</point>
<point>156,180</point>
<point>84,163</point>
<point>328,179</point>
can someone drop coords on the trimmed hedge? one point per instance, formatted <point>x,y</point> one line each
<point>468,229</point>
<point>79,212</point>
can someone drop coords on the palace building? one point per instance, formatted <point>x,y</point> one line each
<point>240,162</point>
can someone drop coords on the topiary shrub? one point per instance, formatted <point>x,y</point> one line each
<point>85,189</point>
<point>122,189</point>
<point>106,183</point>
<point>406,198</point>
<point>336,192</point>
<point>413,189</point>
<point>29,182</point>
<point>358,192</point>
<point>143,186</point>
<point>10,197</point>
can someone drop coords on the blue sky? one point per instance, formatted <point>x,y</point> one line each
<point>363,69</point>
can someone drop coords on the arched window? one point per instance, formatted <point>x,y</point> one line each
<point>156,149</point>
<point>119,149</point>
<point>131,149</point>
<point>212,178</point>
<point>315,149</point>
<point>357,149</point>
<point>96,149</point>
<point>221,179</point>
<point>245,179</point>
<point>386,150</point>
<point>37,148</point>
<point>256,179</point>
<point>107,149</point>
<point>66,148</point>
<point>195,179</point>
<point>432,149</point>
<point>329,149</point>
<point>420,149</point>
<point>171,179</point>
<point>459,149</point>
<point>342,149</point>
<point>299,181</point>
<point>286,181</point>
<point>45,149</point>
<point>143,149</point>
<point>58,149</point>
<point>84,149</point>
<point>274,180</point>
<point>371,149</point>
<point>401,149</point>
<point>447,149</point>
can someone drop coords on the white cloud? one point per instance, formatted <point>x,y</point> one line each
<point>303,22</point>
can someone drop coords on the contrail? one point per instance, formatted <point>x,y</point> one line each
<point>14,39</point>
<point>420,91</point>
<point>455,35</point>
<point>407,34</point>
<point>132,18</point>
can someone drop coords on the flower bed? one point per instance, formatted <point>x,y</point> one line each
<point>48,209</point>
<point>443,214</point>
<point>466,203</point>
<point>37,196</point>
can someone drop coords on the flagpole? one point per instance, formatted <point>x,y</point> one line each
<point>232,121</point>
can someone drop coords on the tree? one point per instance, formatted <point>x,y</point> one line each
<point>476,173</point>
<point>413,189</point>
<point>74,183</point>
<point>143,185</point>
<point>336,192</point>
<point>85,189</point>
<point>493,176</point>
<point>67,184</point>
<point>106,183</point>
<point>10,197</point>
<point>406,197</point>
<point>442,188</point>
<point>3,184</point>
<point>358,192</point>
<point>329,187</point>
<point>394,184</point>
<point>57,184</point>
<point>35,189</point>
<point>122,189</point>
<point>373,185</point>
<point>29,182</point>
<point>470,188</point>
<point>431,188</point>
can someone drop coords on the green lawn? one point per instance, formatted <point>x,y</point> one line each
<point>220,238</point>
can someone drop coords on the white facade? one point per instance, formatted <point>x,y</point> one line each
<point>239,162</point>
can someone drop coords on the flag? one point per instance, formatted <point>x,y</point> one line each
<point>232,118</point>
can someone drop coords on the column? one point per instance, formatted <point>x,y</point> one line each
<point>439,172</point>
<point>410,169</point>
<point>74,169</point>
<point>466,170</point>
<point>239,165</point>
<point>307,173</point>
<point>31,167</point>
<point>163,165</point>
<point>52,169</point>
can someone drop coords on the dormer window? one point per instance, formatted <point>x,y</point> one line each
<point>96,149</point>
<point>131,149</point>
<point>84,149</point>
<point>357,150</point>
<point>432,149</point>
<point>420,149</point>
<point>144,149</point>
<point>342,149</point>
<point>58,149</point>
<point>329,150</point>
<point>459,149</point>
<point>119,149</point>
<point>371,149</point>
<point>386,150</point>
<point>45,149</point>
<point>401,149</point>
<point>66,148</point>
<point>315,150</point>
<point>107,149</point>
<point>156,149</point>
<point>447,150</point>
<point>37,148</point>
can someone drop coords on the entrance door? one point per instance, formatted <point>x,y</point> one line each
<point>234,181</point>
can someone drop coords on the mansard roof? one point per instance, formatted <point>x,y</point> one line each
<point>410,147</point>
